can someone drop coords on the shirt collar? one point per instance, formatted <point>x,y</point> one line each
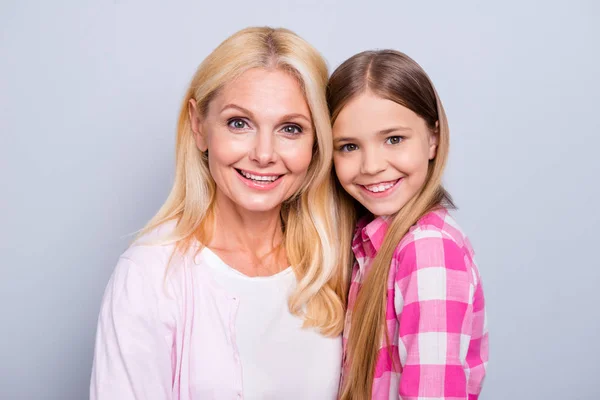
<point>372,231</point>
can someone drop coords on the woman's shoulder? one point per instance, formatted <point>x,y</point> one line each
<point>152,253</point>
<point>152,248</point>
<point>139,288</point>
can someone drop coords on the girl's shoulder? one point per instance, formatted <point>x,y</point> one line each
<point>435,239</point>
<point>438,223</point>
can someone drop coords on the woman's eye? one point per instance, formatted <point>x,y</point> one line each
<point>237,123</point>
<point>348,147</point>
<point>394,139</point>
<point>292,129</point>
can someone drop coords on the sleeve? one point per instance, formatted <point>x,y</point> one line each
<point>433,298</point>
<point>132,358</point>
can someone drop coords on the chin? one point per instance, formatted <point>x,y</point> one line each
<point>258,207</point>
<point>380,211</point>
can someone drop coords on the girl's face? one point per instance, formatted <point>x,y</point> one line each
<point>259,135</point>
<point>381,152</point>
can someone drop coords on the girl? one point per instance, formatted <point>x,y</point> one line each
<point>415,325</point>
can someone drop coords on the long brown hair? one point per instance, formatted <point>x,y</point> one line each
<point>393,76</point>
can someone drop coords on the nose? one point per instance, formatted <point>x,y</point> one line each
<point>372,163</point>
<point>263,151</point>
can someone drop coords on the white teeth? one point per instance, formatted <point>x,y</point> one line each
<point>259,177</point>
<point>380,188</point>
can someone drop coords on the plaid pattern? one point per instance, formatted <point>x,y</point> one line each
<point>435,311</point>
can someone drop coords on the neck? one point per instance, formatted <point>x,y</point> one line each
<point>238,229</point>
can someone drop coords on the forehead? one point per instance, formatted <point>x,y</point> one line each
<point>369,114</point>
<point>268,92</point>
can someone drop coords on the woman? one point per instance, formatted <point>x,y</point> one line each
<point>236,287</point>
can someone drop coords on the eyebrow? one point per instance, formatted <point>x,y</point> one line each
<point>236,107</point>
<point>284,117</point>
<point>394,129</point>
<point>382,132</point>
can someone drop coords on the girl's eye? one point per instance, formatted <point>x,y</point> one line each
<point>348,147</point>
<point>292,129</point>
<point>394,139</point>
<point>237,123</point>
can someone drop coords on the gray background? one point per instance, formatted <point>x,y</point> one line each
<point>89,98</point>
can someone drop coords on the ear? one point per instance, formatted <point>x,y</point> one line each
<point>196,125</point>
<point>433,140</point>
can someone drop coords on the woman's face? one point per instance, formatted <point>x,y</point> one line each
<point>259,135</point>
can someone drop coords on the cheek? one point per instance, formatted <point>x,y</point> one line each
<point>297,155</point>
<point>218,158</point>
<point>415,160</point>
<point>223,154</point>
<point>416,167</point>
<point>224,149</point>
<point>343,168</point>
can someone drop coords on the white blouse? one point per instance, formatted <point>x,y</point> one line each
<point>279,359</point>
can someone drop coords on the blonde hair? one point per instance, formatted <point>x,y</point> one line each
<point>393,76</point>
<point>310,216</point>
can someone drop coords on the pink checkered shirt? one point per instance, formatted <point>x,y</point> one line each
<point>435,311</point>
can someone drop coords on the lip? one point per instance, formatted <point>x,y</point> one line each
<point>267,185</point>
<point>385,193</point>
